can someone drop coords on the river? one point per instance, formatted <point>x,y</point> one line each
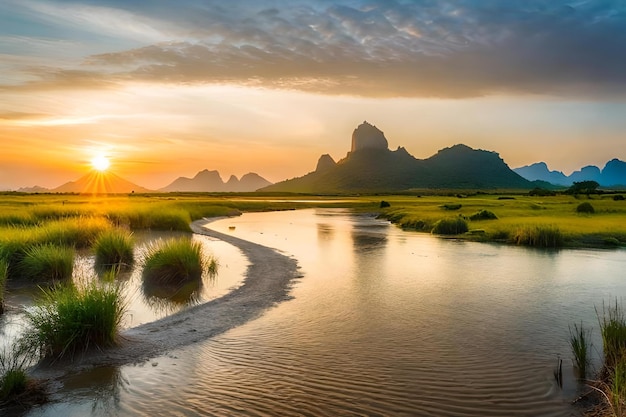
<point>382,323</point>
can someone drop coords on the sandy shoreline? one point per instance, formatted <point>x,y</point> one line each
<point>268,280</point>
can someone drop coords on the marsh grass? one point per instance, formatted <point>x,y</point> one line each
<point>13,377</point>
<point>71,319</point>
<point>543,236</point>
<point>451,226</point>
<point>114,249</point>
<point>613,330</point>
<point>142,217</point>
<point>173,261</point>
<point>580,342</point>
<point>4,272</point>
<point>483,215</point>
<point>47,263</point>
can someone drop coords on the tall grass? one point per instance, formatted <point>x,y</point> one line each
<point>579,339</point>
<point>173,261</point>
<point>161,218</point>
<point>539,236</point>
<point>613,330</point>
<point>13,378</point>
<point>114,249</point>
<point>70,319</point>
<point>451,226</point>
<point>4,272</point>
<point>47,263</point>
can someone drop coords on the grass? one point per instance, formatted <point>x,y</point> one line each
<point>47,263</point>
<point>483,215</point>
<point>114,249</point>
<point>613,330</point>
<point>585,208</point>
<point>4,272</point>
<point>71,319</point>
<point>13,377</point>
<point>173,261</point>
<point>545,236</point>
<point>450,226</point>
<point>581,346</point>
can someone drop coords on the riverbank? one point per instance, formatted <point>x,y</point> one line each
<point>268,280</point>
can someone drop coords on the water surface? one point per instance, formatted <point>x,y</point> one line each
<point>383,322</point>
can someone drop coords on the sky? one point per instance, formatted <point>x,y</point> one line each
<point>168,88</point>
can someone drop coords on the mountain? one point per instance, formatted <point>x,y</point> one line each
<point>613,174</point>
<point>100,183</point>
<point>33,190</point>
<point>371,167</point>
<point>211,181</point>
<point>540,172</point>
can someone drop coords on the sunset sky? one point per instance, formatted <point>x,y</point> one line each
<point>167,88</point>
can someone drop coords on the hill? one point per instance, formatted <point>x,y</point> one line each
<point>613,174</point>
<point>211,181</point>
<point>97,182</point>
<point>371,167</point>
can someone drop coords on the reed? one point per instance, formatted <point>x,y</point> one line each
<point>114,249</point>
<point>613,330</point>
<point>70,319</point>
<point>4,272</point>
<point>542,236</point>
<point>451,226</point>
<point>580,342</point>
<point>173,261</point>
<point>47,263</point>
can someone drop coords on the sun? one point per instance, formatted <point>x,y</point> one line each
<point>100,163</point>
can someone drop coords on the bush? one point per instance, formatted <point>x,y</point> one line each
<point>618,197</point>
<point>48,263</point>
<point>483,215</point>
<point>68,319</point>
<point>451,226</point>
<point>539,236</point>
<point>585,208</point>
<point>114,249</point>
<point>384,204</point>
<point>173,261</point>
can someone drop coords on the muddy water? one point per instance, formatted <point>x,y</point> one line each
<point>383,322</point>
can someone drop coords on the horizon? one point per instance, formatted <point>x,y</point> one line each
<point>165,91</point>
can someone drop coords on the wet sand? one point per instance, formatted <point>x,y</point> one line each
<point>268,280</point>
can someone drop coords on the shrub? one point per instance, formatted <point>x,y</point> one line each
<point>585,208</point>
<point>611,241</point>
<point>618,197</point>
<point>114,249</point>
<point>47,263</point>
<point>384,204</point>
<point>539,236</point>
<point>451,226</point>
<point>69,319</point>
<point>451,206</point>
<point>483,215</point>
<point>173,261</point>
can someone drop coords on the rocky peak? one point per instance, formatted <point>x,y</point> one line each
<point>367,136</point>
<point>325,163</point>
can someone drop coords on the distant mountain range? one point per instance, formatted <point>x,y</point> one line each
<point>211,181</point>
<point>613,174</point>
<point>371,167</point>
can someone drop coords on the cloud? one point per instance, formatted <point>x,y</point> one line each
<point>377,48</point>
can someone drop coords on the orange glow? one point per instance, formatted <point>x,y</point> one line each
<point>100,163</point>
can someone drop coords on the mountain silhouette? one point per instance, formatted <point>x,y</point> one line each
<point>613,174</point>
<point>371,167</point>
<point>211,181</point>
<point>96,182</point>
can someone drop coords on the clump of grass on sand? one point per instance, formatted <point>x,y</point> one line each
<point>114,249</point>
<point>70,319</point>
<point>173,261</point>
<point>47,263</point>
<point>451,226</point>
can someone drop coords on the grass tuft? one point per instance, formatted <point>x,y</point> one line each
<point>173,261</point>
<point>451,226</point>
<point>613,330</point>
<point>585,208</point>
<point>483,215</point>
<point>71,319</point>
<point>579,339</point>
<point>47,263</point>
<point>114,249</point>
<point>539,236</point>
